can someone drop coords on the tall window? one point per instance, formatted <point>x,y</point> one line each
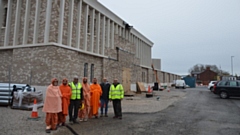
<point>88,24</point>
<point>163,77</point>
<point>5,18</point>
<point>95,27</point>
<point>92,72</point>
<point>86,70</point>
<point>143,76</point>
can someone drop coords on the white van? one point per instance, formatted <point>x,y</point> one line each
<point>180,84</point>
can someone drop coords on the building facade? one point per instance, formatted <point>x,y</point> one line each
<point>42,39</point>
<point>205,77</point>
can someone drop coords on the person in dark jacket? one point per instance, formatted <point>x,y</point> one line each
<point>105,85</point>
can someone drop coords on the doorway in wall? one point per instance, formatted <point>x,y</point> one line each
<point>126,80</point>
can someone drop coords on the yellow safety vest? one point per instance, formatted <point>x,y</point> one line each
<point>116,92</point>
<point>76,91</point>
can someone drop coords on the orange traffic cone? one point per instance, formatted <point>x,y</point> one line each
<point>34,110</point>
<point>149,89</point>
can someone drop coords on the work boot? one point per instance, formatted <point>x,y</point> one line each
<point>106,115</point>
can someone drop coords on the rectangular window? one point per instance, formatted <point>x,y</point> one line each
<point>143,76</point>
<point>233,83</point>
<point>92,72</point>
<point>222,83</point>
<point>86,70</point>
<point>95,27</point>
<point>89,24</point>
<point>5,18</point>
<point>163,77</point>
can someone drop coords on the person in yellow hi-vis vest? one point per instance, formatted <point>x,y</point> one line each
<point>75,100</point>
<point>116,94</point>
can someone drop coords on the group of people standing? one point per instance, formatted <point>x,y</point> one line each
<point>80,100</point>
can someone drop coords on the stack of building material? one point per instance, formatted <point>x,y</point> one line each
<point>140,87</point>
<point>6,92</point>
<point>25,100</point>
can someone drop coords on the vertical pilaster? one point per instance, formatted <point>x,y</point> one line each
<point>112,36</point>
<point>86,10</point>
<point>1,14</point>
<point>92,30</point>
<point>61,20</point>
<point>26,22</point>
<point>98,32</point>
<point>140,53</point>
<point>70,22</point>
<point>139,48</point>
<point>36,21</point>
<point>17,22</point>
<point>116,29</point>
<point>78,35</point>
<point>135,43</point>
<point>8,23</point>
<point>108,32</point>
<point>131,38</point>
<point>47,22</point>
<point>103,34</point>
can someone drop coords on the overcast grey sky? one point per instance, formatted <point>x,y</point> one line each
<point>186,32</point>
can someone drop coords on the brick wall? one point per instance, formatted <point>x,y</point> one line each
<point>44,63</point>
<point>207,76</point>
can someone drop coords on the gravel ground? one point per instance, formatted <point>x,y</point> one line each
<point>16,121</point>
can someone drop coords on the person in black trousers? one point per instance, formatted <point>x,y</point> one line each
<point>116,94</point>
<point>105,85</point>
<point>75,100</point>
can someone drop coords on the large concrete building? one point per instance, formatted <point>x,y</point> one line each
<point>42,39</point>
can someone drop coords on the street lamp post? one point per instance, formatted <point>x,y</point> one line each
<point>232,64</point>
